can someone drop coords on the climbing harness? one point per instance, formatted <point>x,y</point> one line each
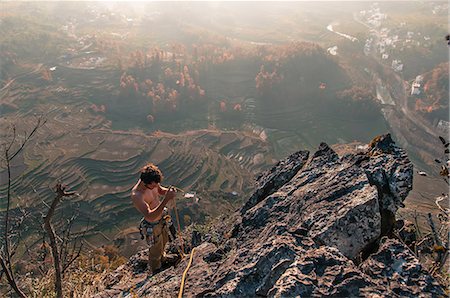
<point>146,228</point>
<point>146,231</point>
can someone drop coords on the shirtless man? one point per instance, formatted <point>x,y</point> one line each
<point>145,196</point>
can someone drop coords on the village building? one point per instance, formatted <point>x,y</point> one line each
<point>397,65</point>
<point>415,89</point>
<point>332,50</point>
<point>443,126</point>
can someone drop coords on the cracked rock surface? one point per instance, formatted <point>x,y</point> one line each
<point>304,232</point>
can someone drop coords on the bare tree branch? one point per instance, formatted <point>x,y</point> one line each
<point>39,123</point>
<point>64,250</point>
<point>60,193</point>
<point>416,223</point>
<point>77,255</point>
<point>8,158</point>
<point>10,279</point>
<point>436,238</point>
<point>13,138</point>
<point>18,234</point>
<point>6,225</point>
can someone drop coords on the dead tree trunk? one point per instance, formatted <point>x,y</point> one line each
<point>436,238</point>
<point>60,193</point>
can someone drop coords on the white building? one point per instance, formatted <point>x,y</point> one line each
<point>444,126</point>
<point>415,88</point>
<point>332,50</point>
<point>397,65</point>
<point>416,85</point>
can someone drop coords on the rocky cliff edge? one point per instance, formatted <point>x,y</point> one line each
<point>317,225</point>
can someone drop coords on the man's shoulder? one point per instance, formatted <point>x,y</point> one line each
<point>136,194</point>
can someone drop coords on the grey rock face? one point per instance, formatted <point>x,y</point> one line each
<point>288,266</point>
<point>390,170</point>
<point>398,270</point>
<point>406,231</point>
<point>333,200</point>
<point>305,228</point>
<point>138,262</point>
<point>270,181</point>
<point>324,272</point>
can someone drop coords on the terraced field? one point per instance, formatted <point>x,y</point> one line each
<point>77,147</point>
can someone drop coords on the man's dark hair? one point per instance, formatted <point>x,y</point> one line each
<point>150,173</point>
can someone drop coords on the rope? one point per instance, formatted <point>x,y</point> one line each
<point>177,188</point>
<point>178,220</point>
<point>183,279</point>
<point>179,229</point>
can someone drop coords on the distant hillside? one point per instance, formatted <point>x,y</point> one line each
<point>433,102</point>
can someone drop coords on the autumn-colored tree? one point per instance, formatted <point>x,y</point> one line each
<point>355,94</point>
<point>266,80</point>
<point>435,89</point>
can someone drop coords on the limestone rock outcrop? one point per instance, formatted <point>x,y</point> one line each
<point>312,228</point>
<point>398,270</point>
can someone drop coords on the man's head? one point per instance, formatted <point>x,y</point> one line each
<point>151,175</point>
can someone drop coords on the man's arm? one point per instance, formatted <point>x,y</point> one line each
<point>162,190</point>
<point>149,214</point>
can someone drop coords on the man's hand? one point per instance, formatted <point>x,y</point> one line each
<point>170,198</point>
<point>171,193</point>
